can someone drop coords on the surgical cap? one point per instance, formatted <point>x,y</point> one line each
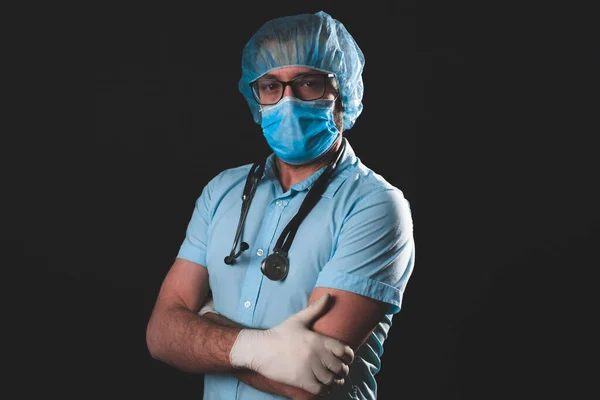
<point>311,40</point>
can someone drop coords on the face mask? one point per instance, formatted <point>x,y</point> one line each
<point>299,131</point>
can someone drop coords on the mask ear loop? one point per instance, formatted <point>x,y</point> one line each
<point>249,189</point>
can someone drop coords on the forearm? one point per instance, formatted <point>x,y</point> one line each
<point>181,339</point>
<point>255,379</point>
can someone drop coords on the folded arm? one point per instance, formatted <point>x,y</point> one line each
<point>177,336</point>
<point>350,318</point>
<point>255,379</point>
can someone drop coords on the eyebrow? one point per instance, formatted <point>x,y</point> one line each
<point>271,76</point>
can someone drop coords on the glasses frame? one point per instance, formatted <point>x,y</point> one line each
<point>290,84</point>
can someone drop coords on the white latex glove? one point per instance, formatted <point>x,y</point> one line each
<point>291,353</point>
<point>208,306</point>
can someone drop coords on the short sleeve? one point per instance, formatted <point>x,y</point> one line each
<point>194,244</point>
<point>375,251</point>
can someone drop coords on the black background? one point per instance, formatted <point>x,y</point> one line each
<point>470,105</point>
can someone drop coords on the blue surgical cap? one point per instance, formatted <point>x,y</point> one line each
<point>310,40</point>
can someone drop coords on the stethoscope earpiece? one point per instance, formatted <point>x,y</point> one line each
<point>230,259</point>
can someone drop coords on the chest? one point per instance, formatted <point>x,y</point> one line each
<point>241,291</point>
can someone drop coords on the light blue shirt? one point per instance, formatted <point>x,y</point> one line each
<point>358,238</point>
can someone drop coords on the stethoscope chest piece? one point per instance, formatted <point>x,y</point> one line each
<point>275,266</point>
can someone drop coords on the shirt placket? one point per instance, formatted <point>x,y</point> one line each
<point>259,249</point>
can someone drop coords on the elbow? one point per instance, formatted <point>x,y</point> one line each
<point>152,341</point>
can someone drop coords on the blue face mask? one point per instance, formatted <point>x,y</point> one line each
<point>299,131</point>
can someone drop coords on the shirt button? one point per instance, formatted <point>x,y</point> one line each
<point>259,252</point>
<point>279,203</point>
<point>246,304</point>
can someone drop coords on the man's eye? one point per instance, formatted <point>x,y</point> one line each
<point>269,86</point>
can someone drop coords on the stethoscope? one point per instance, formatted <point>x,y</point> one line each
<point>276,265</point>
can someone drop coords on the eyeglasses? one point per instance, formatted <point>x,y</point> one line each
<point>268,91</point>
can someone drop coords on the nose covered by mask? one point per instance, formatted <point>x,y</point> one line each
<point>299,131</point>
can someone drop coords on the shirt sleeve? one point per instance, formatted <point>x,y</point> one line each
<point>194,244</point>
<point>375,250</point>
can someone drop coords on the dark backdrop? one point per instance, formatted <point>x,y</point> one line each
<point>464,103</point>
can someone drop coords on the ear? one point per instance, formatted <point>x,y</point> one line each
<point>338,114</point>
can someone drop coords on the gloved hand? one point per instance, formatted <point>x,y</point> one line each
<point>291,353</point>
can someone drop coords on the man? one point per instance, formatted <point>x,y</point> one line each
<point>301,303</point>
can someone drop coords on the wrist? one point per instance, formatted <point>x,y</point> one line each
<point>246,348</point>
<point>238,355</point>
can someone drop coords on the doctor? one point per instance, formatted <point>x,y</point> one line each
<point>291,268</point>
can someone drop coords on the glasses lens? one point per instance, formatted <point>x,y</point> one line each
<point>267,91</point>
<point>307,87</point>
<point>310,87</point>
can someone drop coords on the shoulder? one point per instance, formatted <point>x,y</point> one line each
<point>221,185</point>
<point>365,188</point>
<point>227,179</point>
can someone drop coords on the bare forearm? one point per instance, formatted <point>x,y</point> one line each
<point>181,339</point>
<point>255,379</point>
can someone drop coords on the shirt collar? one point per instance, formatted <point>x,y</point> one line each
<point>340,174</point>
